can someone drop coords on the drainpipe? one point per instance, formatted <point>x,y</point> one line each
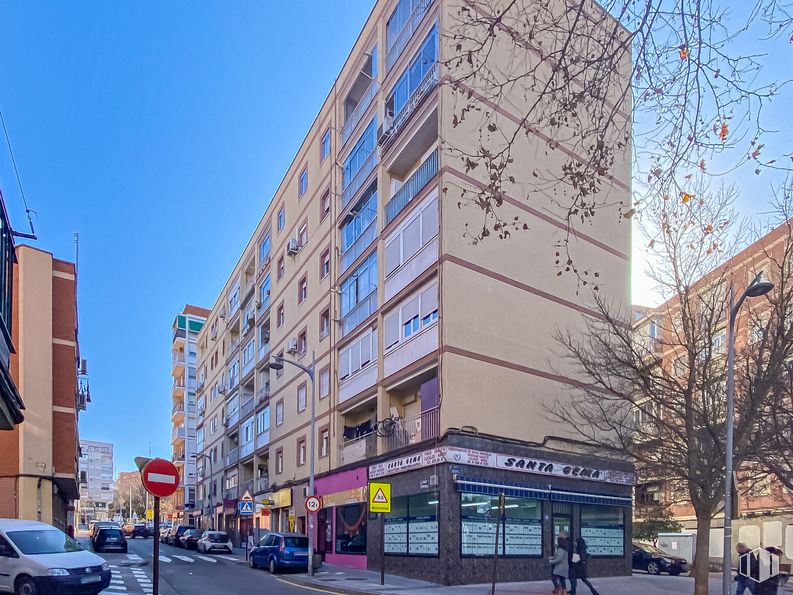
<point>38,500</point>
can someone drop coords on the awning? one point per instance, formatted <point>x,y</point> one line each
<point>537,492</point>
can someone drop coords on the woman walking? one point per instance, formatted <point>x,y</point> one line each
<point>578,567</point>
<point>560,567</point>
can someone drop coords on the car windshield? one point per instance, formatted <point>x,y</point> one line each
<point>296,542</point>
<point>43,541</point>
<point>218,537</point>
<point>652,549</point>
<point>109,533</point>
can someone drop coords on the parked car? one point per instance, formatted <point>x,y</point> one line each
<point>96,525</point>
<point>175,535</point>
<point>280,550</point>
<point>140,530</point>
<point>214,541</point>
<point>109,539</point>
<point>164,530</point>
<point>38,558</point>
<point>655,561</point>
<point>189,539</point>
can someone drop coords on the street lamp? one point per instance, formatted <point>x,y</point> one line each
<point>756,288</point>
<point>197,455</point>
<point>278,364</point>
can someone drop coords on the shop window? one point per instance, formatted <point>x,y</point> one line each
<point>603,529</point>
<point>411,528</point>
<point>351,529</point>
<point>520,531</point>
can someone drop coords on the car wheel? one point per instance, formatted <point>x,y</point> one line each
<point>252,562</point>
<point>25,586</point>
<point>653,568</point>
<point>674,571</point>
<point>273,568</point>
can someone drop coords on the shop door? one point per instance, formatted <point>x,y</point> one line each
<point>562,521</point>
<point>324,542</point>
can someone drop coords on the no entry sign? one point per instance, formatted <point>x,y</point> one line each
<point>160,477</point>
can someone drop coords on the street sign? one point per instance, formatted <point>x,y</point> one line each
<point>245,507</point>
<point>379,497</point>
<point>247,496</point>
<point>265,512</point>
<point>267,502</point>
<point>160,477</point>
<point>313,503</point>
<point>149,514</point>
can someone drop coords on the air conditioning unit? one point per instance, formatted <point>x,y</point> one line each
<point>292,247</point>
<point>292,347</point>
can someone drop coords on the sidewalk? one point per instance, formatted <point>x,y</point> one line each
<point>356,582</point>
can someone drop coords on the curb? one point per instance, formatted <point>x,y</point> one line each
<point>327,588</point>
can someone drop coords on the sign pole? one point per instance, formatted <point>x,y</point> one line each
<point>382,548</point>
<point>156,560</point>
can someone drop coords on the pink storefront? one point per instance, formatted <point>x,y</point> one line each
<point>341,524</point>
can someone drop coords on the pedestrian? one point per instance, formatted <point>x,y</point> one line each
<point>770,586</point>
<point>578,566</point>
<point>560,566</point>
<point>747,567</point>
<point>70,531</point>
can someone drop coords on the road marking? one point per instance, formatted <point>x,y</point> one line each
<point>302,586</point>
<point>207,559</point>
<point>184,558</point>
<point>164,558</point>
<point>232,558</point>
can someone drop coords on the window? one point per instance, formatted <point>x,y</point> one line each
<point>279,460</point>
<point>412,316</point>
<point>247,431</point>
<point>199,440</point>
<point>412,235</point>
<point>264,335</point>
<point>324,264</point>
<point>281,218</point>
<point>324,442</point>
<point>279,412</point>
<point>351,529</point>
<point>280,318</point>
<point>301,398</point>
<point>324,323</point>
<point>413,75</point>
<point>279,373</point>
<point>264,292</point>
<point>302,343</point>
<point>281,267</point>
<point>412,525</point>
<point>263,420</point>
<point>324,382</point>
<point>302,183</point>
<point>361,225</point>
<point>302,290</point>
<point>399,18</point>
<point>324,147</point>
<point>358,354</point>
<point>248,352</point>
<point>213,425</point>
<point>234,299</point>
<point>603,528</point>
<point>302,234</point>
<point>324,205</point>
<point>358,286</point>
<point>301,451</point>
<point>264,250</point>
<point>360,153</point>
<point>520,532</point>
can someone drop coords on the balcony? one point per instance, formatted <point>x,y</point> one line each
<point>233,347</point>
<point>359,449</point>
<point>232,419</point>
<point>410,350</point>
<point>231,493</point>
<point>358,382</point>
<point>357,114</point>
<point>178,458</point>
<point>179,335</point>
<point>264,305</point>
<point>401,277</point>
<point>426,86</point>
<point>359,313</point>
<point>232,457</point>
<point>177,412</point>
<point>177,363</point>
<point>233,382</point>
<point>400,41</point>
<point>262,484</point>
<point>246,449</point>
<point>415,429</point>
<point>262,395</point>
<point>246,409</point>
<point>178,434</point>
<point>360,177</point>
<point>411,188</point>
<point>357,248</point>
<point>263,439</point>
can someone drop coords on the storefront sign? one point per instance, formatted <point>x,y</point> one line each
<point>351,496</point>
<point>479,458</point>
<point>282,498</point>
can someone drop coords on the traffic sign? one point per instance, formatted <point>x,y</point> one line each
<point>379,497</point>
<point>313,503</point>
<point>160,477</point>
<point>149,514</point>
<point>245,507</point>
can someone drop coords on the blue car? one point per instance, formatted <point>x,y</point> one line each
<point>280,550</point>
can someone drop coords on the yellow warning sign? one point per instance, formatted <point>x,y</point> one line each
<point>379,497</point>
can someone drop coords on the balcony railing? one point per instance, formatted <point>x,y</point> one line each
<point>177,359</point>
<point>233,381</point>
<point>246,449</point>
<point>178,433</point>
<point>357,181</point>
<point>232,419</point>
<point>359,449</point>
<point>232,457</point>
<point>178,409</point>
<point>179,334</point>
<point>412,187</point>
<point>231,493</point>
<point>427,84</point>
<point>359,245</point>
<point>264,350</point>
<point>263,438</point>
<point>262,395</point>
<point>262,483</point>
<point>235,343</point>
<point>358,112</point>
<point>178,457</point>
<point>397,46</point>
<point>414,429</point>
<point>359,313</point>
<point>247,407</point>
<point>264,305</point>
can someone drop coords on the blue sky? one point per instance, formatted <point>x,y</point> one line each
<point>158,131</point>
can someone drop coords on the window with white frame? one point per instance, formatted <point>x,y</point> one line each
<point>234,299</point>
<point>359,285</point>
<point>234,373</point>
<point>324,148</point>
<point>264,250</point>
<point>302,183</point>
<point>324,382</point>
<point>418,230</point>
<point>199,439</point>
<point>213,425</point>
<point>264,290</point>
<point>279,412</point>
<point>358,354</point>
<point>416,313</point>
<point>324,442</point>
<point>263,420</point>
<point>301,398</point>
<point>247,431</point>
<point>302,234</point>
<point>248,353</point>
<point>281,220</point>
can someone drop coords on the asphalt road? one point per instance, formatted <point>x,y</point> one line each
<point>190,573</point>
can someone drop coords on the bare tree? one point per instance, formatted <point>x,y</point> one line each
<point>587,84</point>
<point>658,398</point>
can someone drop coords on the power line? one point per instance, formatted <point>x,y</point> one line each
<point>32,234</point>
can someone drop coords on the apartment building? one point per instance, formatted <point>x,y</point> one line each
<point>186,326</point>
<point>762,510</point>
<point>39,468</point>
<point>11,405</point>
<point>96,481</point>
<point>360,266</point>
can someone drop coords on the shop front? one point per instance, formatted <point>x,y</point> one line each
<point>282,513</point>
<point>445,511</point>
<point>341,523</point>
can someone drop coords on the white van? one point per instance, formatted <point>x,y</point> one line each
<point>38,559</point>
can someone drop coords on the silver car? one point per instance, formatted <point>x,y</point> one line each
<point>215,541</point>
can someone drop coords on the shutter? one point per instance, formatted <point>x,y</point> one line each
<point>344,363</point>
<point>391,329</point>
<point>411,239</point>
<point>355,357</point>
<point>366,349</point>
<point>429,225</point>
<point>392,256</point>
<point>410,310</point>
<point>429,300</point>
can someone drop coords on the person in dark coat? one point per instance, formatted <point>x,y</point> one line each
<point>578,566</point>
<point>770,586</point>
<point>747,568</point>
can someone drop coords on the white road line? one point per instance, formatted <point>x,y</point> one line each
<point>164,559</point>
<point>184,558</point>
<point>207,559</point>
<point>232,558</point>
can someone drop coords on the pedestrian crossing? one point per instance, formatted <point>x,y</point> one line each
<point>193,558</point>
<point>128,581</point>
